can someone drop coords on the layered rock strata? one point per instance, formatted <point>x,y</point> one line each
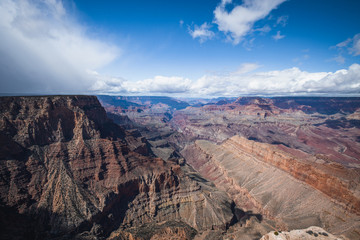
<point>273,181</point>
<point>67,171</point>
<point>332,133</point>
<point>310,144</point>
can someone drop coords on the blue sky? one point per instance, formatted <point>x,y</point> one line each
<point>181,48</point>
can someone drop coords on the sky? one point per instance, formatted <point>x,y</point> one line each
<point>180,48</point>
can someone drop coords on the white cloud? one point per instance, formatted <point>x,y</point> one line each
<point>245,81</point>
<point>291,81</point>
<point>282,20</point>
<point>107,84</point>
<point>248,44</point>
<point>278,36</point>
<point>203,32</point>
<point>351,44</point>
<point>181,23</point>
<point>44,49</point>
<point>355,49</point>
<point>339,59</point>
<point>246,68</point>
<point>344,43</point>
<point>159,84</point>
<point>238,22</point>
<point>264,29</point>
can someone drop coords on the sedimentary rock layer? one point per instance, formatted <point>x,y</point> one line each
<point>265,179</point>
<point>66,170</point>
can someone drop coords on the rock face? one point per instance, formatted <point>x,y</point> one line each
<point>271,180</point>
<point>67,171</point>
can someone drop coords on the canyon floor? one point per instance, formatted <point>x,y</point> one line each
<point>111,167</point>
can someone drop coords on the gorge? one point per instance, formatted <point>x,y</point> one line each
<point>112,167</point>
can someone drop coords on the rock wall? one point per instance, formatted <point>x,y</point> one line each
<point>65,170</point>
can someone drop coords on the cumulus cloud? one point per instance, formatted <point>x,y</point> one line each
<point>278,36</point>
<point>291,81</point>
<point>202,32</point>
<point>247,81</point>
<point>45,50</point>
<point>162,85</point>
<point>109,84</point>
<point>240,20</point>
<point>159,84</point>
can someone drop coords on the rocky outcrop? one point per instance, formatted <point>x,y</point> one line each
<point>311,233</point>
<point>67,171</point>
<point>292,191</point>
<point>162,231</point>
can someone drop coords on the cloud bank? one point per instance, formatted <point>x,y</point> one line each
<point>245,81</point>
<point>43,49</point>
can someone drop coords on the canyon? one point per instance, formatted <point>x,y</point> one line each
<point>294,161</point>
<point>114,167</point>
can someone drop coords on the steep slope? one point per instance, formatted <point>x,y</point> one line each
<point>294,190</point>
<point>67,171</point>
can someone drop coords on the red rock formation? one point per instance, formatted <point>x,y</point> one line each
<point>312,153</point>
<point>66,168</point>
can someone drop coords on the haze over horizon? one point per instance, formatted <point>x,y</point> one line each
<point>180,48</point>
